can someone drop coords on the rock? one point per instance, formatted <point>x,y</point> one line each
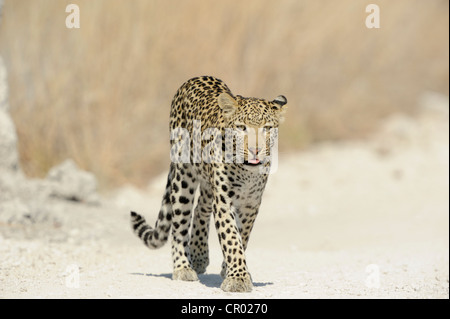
<point>71,183</point>
<point>14,212</point>
<point>23,200</point>
<point>9,157</point>
<point>29,201</point>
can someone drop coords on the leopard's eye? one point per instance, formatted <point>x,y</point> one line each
<point>267,128</point>
<point>241,127</point>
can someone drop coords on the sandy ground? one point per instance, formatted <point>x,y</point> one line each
<point>360,219</point>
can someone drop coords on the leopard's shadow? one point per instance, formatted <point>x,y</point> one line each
<point>209,280</point>
<point>169,276</point>
<point>215,280</point>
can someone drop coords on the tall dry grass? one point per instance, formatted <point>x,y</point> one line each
<point>101,94</point>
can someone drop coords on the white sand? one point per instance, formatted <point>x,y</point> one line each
<point>363,219</point>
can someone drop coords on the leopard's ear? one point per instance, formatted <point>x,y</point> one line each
<point>280,101</point>
<point>228,104</point>
<point>279,105</point>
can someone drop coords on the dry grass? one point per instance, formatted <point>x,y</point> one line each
<point>101,94</point>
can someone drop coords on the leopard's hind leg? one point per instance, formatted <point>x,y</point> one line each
<point>182,195</point>
<point>200,228</point>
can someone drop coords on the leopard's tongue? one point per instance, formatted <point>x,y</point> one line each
<point>254,161</point>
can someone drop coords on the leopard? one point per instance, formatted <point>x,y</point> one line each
<point>228,184</point>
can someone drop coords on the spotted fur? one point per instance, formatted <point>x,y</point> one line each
<point>231,190</point>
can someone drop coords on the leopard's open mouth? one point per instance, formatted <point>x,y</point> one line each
<point>253,162</point>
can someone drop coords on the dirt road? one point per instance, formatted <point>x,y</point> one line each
<point>362,219</point>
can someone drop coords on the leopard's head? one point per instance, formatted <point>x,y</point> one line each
<point>253,124</point>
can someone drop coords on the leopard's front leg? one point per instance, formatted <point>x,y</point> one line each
<point>237,277</point>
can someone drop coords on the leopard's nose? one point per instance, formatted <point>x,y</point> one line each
<point>254,150</point>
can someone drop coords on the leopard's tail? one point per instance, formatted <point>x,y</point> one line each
<point>155,237</point>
